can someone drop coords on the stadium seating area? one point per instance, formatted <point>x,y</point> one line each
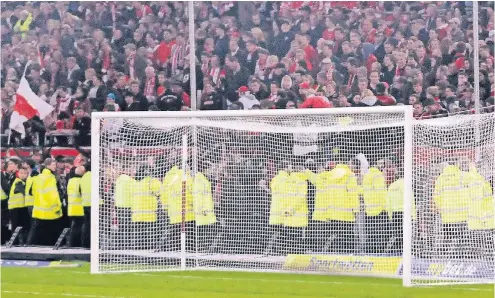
<point>133,56</point>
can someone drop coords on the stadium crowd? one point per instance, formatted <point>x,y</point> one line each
<point>134,56</point>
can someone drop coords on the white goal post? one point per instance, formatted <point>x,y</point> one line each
<point>329,191</point>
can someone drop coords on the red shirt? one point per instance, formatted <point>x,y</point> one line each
<point>186,99</point>
<point>311,53</point>
<point>143,11</point>
<point>162,53</point>
<point>328,35</point>
<point>386,100</point>
<point>316,102</point>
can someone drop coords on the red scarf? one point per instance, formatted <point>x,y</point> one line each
<point>351,78</point>
<point>149,89</point>
<point>216,73</point>
<point>106,61</point>
<point>178,54</point>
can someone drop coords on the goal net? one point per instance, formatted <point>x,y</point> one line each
<point>452,240</point>
<point>317,190</point>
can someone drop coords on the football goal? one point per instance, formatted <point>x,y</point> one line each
<point>355,191</point>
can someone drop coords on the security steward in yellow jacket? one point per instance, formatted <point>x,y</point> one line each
<point>395,211</point>
<point>177,201</point>
<point>480,219</point>
<point>289,207</point>
<point>336,202</point>
<point>374,191</point>
<point>204,209</point>
<point>19,216</point>
<point>85,186</point>
<point>451,200</point>
<point>47,207</point>
<point>28,195</point>
<point>124,194</point>
<point>75,209</point>
<point>144,209</point>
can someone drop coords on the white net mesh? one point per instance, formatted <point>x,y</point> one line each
<point>308,193</point>
<point>262,193</point>
<point>452,181</point>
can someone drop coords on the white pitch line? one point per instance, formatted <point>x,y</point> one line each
<point>59,294</point>
<point>294,281</point>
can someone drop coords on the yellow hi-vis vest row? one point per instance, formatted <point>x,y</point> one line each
<point>374,192</point>
<point>16,200</point>
<point>28,197</point>
<point>124,192</point>
<point>145,202</point>
<point>395,199</point>
<point>450,195</point>
<point>47,204</point>
<point>289,206</point>
<point>75,206</point>
<point>204,211</point>
<point>337,194</point>
<point>171,196</point>
<point>480,210</point>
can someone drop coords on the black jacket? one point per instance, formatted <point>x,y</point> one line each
<point>7,180</point>
<point>169,101</point>
<point>212,101</point>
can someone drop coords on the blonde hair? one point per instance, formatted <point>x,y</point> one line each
<point>258,34</point>
<point>273,57</point>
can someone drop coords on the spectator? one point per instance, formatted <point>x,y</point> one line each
<point>83,50</point>
<point>82,124</point>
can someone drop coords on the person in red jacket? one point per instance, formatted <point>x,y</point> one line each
<point>316,102</point>
<point>383,96</point>
<point>162,53</point>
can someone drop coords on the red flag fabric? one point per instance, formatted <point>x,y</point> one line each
<point>27,105</point>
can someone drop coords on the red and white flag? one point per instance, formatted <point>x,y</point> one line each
<point>27,105</point>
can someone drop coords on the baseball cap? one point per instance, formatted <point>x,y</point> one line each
<point>111,95</point>
<point>243,89</point>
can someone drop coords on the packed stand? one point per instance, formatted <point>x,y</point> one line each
<point>134,56</point>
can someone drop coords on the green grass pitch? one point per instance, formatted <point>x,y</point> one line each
<point>78,282</point>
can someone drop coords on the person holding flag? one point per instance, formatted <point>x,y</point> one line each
<point>27,106</point>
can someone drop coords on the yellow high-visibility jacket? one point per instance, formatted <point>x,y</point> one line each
<point>85,183</point>
<point>29,199</point>
<point>75,203</point>
<point>395,199</point>
<point>374,189</point>
<point>124,192</point>
<point>289,203</point>
<point>47,205</point>
<point>172,196</point>
<point>23,27</point>
<point>451,196</point>
<point>145,202</point>
<point>337,194</point>
<point>204,211</point>
<point>480,207</point>
<point>3,195</point>
<point>16,199</point>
